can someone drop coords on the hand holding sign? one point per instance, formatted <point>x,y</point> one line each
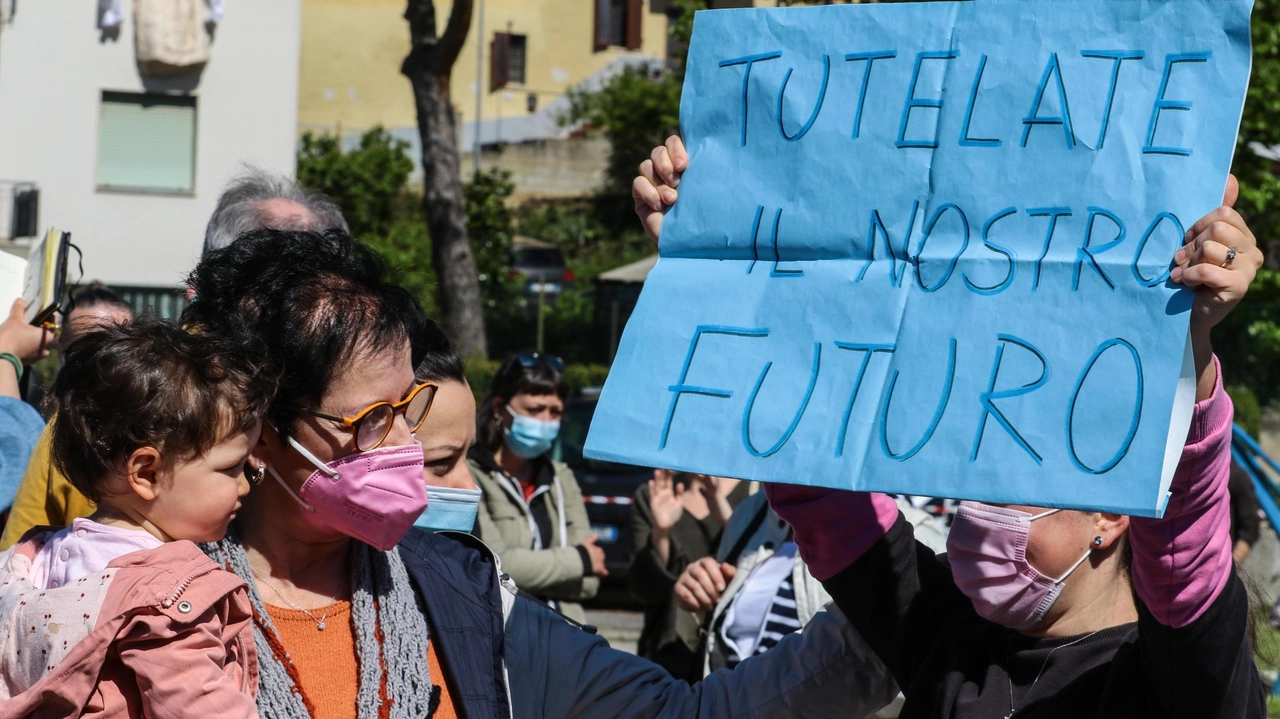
<point>655,189</point>
<point>925,248</point>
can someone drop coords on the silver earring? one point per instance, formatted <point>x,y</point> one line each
<point>1097,542</point>
<point>259,474</point>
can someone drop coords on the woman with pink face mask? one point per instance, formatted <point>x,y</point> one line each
<point>1036,612</point>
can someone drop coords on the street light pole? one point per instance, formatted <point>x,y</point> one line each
<point>475,148</point>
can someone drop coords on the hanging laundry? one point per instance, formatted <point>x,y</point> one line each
<point>111,13</point>
<point>170,35</point>
<point>214,10</point>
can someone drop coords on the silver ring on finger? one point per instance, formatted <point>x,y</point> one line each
<point>1231,255</point>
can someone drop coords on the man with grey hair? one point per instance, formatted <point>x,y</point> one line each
<point>258,199</point>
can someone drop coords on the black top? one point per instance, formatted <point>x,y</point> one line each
<point>951,663</point>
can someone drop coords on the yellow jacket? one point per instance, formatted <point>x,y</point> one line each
<point>45,497</point>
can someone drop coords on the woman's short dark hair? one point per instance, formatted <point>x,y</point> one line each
<point>514,378</point>
<point>439,362</point>
<point>318,301</point>
<point>149,383</point>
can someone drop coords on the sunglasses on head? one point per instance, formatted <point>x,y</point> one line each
<point>530,359</point>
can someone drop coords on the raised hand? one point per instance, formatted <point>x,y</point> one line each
<point>654,190</point>
<point>664,499</point>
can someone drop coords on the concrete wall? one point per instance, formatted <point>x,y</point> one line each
<point>551,168</point>
<point>54,65</point>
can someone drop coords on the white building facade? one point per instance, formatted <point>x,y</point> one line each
<point>132,164</point>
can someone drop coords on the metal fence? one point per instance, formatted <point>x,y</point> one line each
<point>163,302</point>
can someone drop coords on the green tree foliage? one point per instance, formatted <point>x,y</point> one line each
<point>365,182</point>
<point>491,225</point>
<point>637,109</point>
<point>368,183</point>
<point>1248,341</point>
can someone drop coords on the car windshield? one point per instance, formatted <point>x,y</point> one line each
<point>539,258</point>
<point>573,435</point>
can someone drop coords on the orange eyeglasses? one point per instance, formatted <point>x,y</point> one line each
<point>372,424</point>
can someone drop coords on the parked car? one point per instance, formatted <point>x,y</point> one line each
<point>607,487</point>
<point>540,267</point>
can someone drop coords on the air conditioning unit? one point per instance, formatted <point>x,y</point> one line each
<point>24,221</point>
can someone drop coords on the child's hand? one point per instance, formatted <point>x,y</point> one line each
<point>1219,261</point>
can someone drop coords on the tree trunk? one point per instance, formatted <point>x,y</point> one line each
<point>428,66</point>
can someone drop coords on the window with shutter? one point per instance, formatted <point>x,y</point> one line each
<point>499,61</point>
<point>635,18</point>
<point>147,142</point>
<point>618,22</point>
<point>517,55</point>
<point>600,38</point>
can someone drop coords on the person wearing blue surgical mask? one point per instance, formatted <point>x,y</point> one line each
<point>446,435</point>
<point>532,514</point>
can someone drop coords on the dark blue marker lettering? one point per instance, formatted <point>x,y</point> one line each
<point>1053,213</point>
<point>822,94</point>
<point>1086,252</point>
<point>1137,255</point>
<point>1116,57</point>
<point>1054,70</point>
<point>795,420</point>
<point>878,228</point>
<point>871,58</point>
<point>680,388</point>
<point>1007,252</point>
<point>928,232</point>
<point>868,351</point>
<point>1162,104</point>
<point>755,238</point>
<point>988,398</point>
<point>914,102</point>
<point>965,140</point>
<point>937,414</point>
<point>1133,422</point>
<point>777,254</point>
<point>748,60</point>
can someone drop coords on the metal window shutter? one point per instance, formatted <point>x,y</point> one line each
<point>147,142</point>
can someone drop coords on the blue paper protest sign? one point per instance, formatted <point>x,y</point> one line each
<point>924,248</point>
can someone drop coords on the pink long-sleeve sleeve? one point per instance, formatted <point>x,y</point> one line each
<point>833,528</point>
<point>1182,562</point>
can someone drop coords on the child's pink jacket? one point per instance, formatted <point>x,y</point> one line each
<point>159,633</point>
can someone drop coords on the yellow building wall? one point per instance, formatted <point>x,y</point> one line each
<point>349,74</point>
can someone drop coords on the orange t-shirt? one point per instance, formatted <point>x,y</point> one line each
<point>326,660</point>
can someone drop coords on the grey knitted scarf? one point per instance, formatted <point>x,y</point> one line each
<point>381,597</point>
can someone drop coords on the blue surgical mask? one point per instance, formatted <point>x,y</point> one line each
<point>529,437</point>
<point>452,510</point>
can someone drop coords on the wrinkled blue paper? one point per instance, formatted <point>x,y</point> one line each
<point>924,248</point>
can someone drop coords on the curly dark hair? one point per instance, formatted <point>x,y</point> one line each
<point>148,383</point>
<point>317,301</point>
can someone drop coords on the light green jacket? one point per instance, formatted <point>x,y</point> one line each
<point>553,572</point>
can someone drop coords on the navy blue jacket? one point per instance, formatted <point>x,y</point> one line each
<point>557,671</point>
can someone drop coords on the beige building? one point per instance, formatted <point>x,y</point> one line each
<point>520,59</point>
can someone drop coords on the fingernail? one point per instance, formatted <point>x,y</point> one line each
<point>1180,256</point>
<point>671,177</point>
<point>668,196</point>
<point>719,587</point>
